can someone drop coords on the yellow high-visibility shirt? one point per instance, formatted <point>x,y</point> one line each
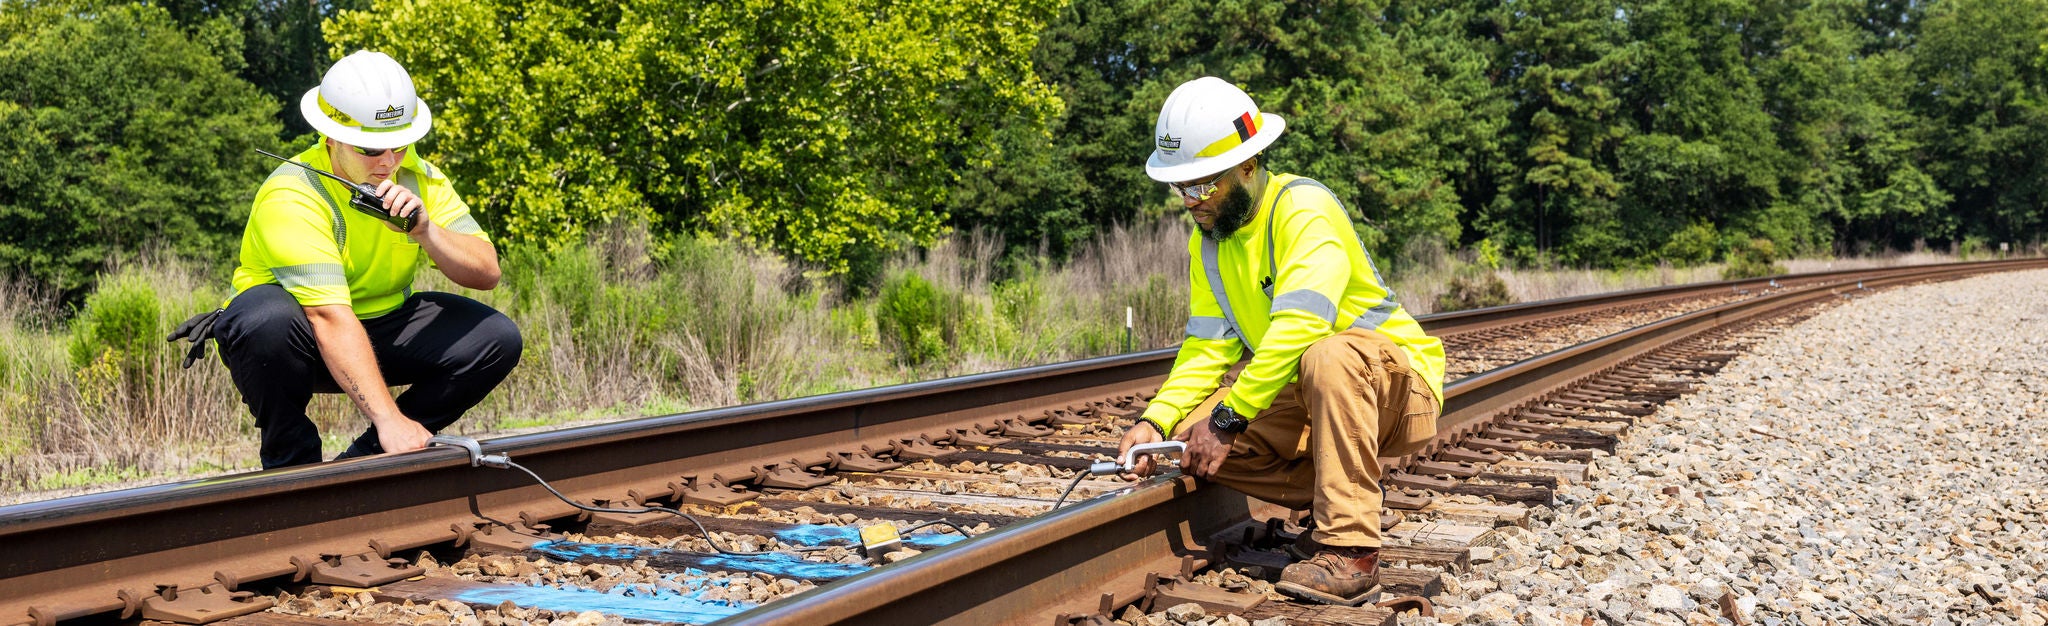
<point>303,235</point>
<point>1293,275</point>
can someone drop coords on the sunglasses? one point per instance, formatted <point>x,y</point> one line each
<point>377,152</point>
<point>1198,191</point>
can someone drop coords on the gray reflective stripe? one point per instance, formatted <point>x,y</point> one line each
<point>1377,315</point>
<point>1209,328</point>
<point>310,275</point>
<point>340,225</point>
<point>465,224</point>
<point>412,183</point>
<point>1216,289</point>
<point>1306,300</point>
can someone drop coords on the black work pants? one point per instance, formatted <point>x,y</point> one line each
<point>451,349</point>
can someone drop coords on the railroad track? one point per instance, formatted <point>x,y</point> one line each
<point>983,452</point>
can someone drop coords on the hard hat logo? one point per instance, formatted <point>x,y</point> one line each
<point>1219,118</point>
<point>367,100</point>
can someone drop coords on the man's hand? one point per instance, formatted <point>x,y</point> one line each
<point>402,435</point>
<point>1206,449</point>
<point>1140,433</point>
<point>401,202</point>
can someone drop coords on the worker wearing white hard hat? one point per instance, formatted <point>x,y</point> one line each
<point>323,294</point>
<point>1340,374</point>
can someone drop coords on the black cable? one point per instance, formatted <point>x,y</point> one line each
<point>708,537</point>
<point>937,522</point>
<point>1078,475</point>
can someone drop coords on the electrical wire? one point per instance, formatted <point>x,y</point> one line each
<point>937,522</point>
<point>708,536</point>
<point>1078,476</point>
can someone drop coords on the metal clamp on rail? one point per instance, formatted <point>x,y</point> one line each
<point>1131,456</point>
<point>476,452</point>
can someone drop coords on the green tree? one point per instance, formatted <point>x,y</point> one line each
<point>832,132</point>
<point>122,132</point>
<point>1983,88</point>
<point>1839,88</point>
<point>1387,105</point>
<point>1565,61</point>
<point>282,49</point>
<point>1705,147</point>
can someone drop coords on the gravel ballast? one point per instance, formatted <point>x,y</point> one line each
<point>1885,462</point>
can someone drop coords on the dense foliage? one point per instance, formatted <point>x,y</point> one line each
<point>831,131</point>
<point>1596,132</point>
<point>123,130</point>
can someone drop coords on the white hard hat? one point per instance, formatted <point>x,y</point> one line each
<point>1207,126</point>
<point>367,100</point>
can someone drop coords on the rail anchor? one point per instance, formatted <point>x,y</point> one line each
<point>210,603</point>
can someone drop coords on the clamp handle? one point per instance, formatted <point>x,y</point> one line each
<point>476,451</point>
<point>1131,456</point>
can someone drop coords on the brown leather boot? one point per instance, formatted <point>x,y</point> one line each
<point>1336,575</point>
<point>1304,547</point>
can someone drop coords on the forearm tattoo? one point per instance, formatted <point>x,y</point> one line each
<point>355,392</point>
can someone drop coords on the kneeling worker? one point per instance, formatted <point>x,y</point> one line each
<point>1339,375</point>
<point>323,299</point>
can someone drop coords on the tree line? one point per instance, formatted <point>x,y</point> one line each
<point>1585,132</point>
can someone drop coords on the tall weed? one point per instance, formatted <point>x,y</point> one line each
<point>910,318</point>
<point>104,397</point>
<point>1755,258</point>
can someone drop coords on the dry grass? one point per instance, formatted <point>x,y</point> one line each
<point>624,328</point>
<point>86,412</point>
<point>1531,285</point>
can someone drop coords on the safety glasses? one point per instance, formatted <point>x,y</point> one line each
<point>377,152</point>
<point>1198,191</point>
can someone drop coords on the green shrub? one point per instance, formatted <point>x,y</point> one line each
<point>1692,246</point>
<point>1755,258</point>
<point>1473,287</point>
<point>1971,248</point>
<point>909,318</point>
<point>121,323</point>
<point>1490,253</point>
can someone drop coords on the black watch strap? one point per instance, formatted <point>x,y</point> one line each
<point>1154,425</point>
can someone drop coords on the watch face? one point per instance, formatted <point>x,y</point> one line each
<point>1227,420</point>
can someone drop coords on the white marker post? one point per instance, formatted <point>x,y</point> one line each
<point>1127,329</point>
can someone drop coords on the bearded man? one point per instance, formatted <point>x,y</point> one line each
<point>1339,375</point>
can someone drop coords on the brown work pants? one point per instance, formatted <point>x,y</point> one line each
<point>1319,445</point>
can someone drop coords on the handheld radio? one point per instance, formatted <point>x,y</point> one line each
<point>361,197</point>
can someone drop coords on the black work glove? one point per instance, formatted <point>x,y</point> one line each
<point>198,328</point>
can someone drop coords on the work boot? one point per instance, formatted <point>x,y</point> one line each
<point>1304,547</point>
<point>1341,575</point>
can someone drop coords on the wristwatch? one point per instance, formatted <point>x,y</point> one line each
<point>1227,420</point>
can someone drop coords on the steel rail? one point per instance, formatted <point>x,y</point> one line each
<point>1066,563</point>
<point>1474,320</point>
<point>66,558</point>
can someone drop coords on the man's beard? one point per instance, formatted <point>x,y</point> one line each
<point>1232,215</point>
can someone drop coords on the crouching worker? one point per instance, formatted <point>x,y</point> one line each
<point>1339,374</point>
<point>323,299</point>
